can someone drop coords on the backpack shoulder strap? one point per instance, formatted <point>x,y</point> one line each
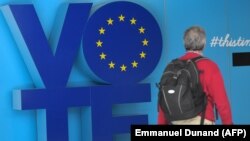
<point>196,59</point>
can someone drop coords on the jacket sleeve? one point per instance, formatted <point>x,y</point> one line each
<point>218,92</point>
<point>161,117</point>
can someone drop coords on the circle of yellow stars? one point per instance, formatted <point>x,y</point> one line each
<point>99,43</point>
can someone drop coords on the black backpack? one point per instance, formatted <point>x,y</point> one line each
<point>180,92</point>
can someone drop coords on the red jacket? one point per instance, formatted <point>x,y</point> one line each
<point>213,85</point>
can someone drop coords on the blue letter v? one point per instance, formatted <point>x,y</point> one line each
<point>50,70</point>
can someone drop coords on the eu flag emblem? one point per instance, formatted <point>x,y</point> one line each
<point>122,43</point>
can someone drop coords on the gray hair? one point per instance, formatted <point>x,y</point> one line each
<point>194,38</point>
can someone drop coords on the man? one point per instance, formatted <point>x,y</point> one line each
<point>210,78</point>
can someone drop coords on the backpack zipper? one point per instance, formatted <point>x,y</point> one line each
<point>179,99</point>
<point>165,99</point>
<point>168,72</point>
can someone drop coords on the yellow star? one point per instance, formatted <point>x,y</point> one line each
<point>141,30</point>
<point>103,56</point>
<point>99,43</point>
<point>121,18</point>
<point>111,65</point>
<point>133,21</point>
<point>110,21</point>
<point>134,64</point>
<point>123,67</point>
<point>145,42</point>
<point>143,55</point>
<point>101,30</point>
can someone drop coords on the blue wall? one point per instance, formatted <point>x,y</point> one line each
<point>218,17</point>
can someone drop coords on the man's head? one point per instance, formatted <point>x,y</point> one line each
<point>194,39</point>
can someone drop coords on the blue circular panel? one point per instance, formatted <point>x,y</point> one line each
<point>122,43</point>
